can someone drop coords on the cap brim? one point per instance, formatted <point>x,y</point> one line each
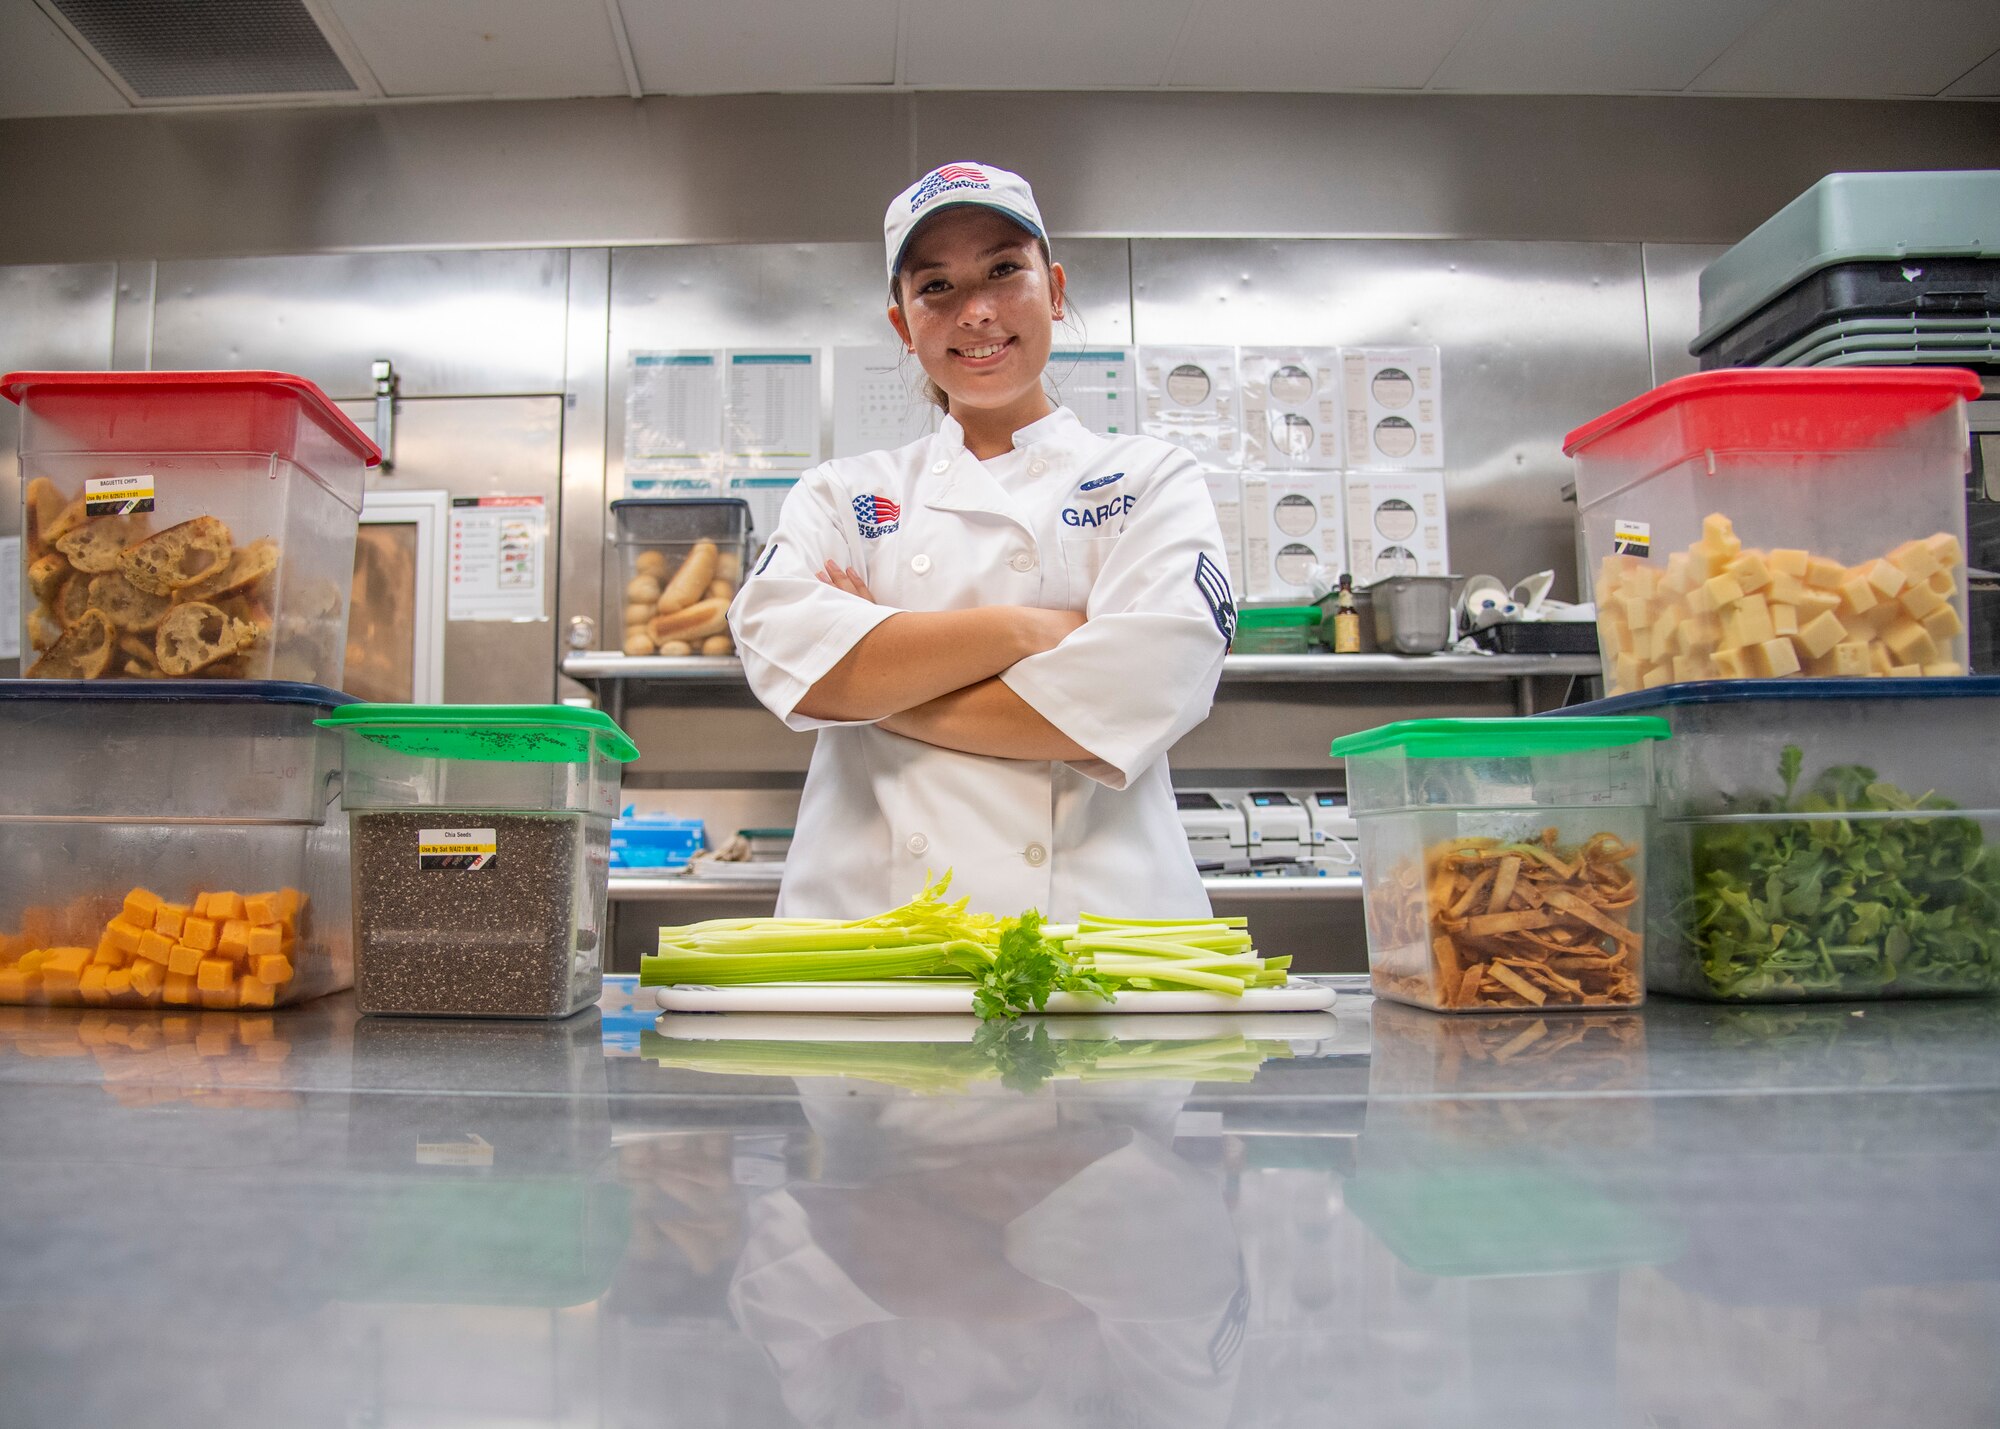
<point>1032,228</point>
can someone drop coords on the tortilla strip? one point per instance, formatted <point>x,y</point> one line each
<point>1503,884</point>
<point>1489,925</point>
<point>1511,979</point>
<point>1581,908</point>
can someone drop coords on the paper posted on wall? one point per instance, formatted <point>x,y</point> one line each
<point>1188,396</point>
<point>1396,525</point>
<point>1395,408</point>
<point>765,491</point>
<point>1099,385</point>
<point>1291,523</point>
<point>771,409</point>
<point>878,404</point>
<point>1225,491</point>
<point>1291,408</point>
<point>498,558</point>
<point>673,410</point>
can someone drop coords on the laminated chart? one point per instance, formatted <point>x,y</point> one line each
<point>1291,408</point>
<point>1394,403</point>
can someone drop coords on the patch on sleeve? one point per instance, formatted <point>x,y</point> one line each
<point>1214,588</point>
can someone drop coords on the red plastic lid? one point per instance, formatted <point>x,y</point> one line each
<point>1766,408</point>
<point>16,386</point>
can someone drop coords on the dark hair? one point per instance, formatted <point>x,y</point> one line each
<point>933,393</point>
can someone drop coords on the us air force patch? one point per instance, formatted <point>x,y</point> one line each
<point>1214,588</point>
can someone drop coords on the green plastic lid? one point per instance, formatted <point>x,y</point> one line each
<point>1272,617</point>
<point>1500,738</point>
<point>514,734</point>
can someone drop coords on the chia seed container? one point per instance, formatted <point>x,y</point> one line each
<point>482,838</point>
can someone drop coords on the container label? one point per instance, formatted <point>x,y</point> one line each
<point>118,495</point>
<point>456,850</point>
<point>1632,538</point>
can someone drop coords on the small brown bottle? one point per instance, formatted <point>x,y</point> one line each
<point>1346,620</point>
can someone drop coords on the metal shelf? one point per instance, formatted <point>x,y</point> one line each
<point>1244,669</point>
<point>1343,888</point>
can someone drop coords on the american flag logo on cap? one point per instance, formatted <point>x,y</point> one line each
<point>962,171</point>
<point>876,516</point>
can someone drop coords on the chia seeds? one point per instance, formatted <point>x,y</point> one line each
<point>518,938</point>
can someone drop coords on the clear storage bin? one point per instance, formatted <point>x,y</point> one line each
<point>186,525</point>
<point>482,839</point>
<point>673,567</point>
<point>1833,840</point>
<point>171,846</point>
<point>1761,524</point>
<point>1503,861</point>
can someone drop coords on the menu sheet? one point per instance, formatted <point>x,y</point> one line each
<point>499,557</point>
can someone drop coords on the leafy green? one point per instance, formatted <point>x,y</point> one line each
<point>1844,890</point>
<point>1026,969</point>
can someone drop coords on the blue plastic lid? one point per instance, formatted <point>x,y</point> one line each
<point>1737,692</point>
<point>176,692</point>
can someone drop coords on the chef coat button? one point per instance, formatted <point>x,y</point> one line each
<point>1037,467</point>
<point>920,563</point>
<point>918,843</point>
<point>940,467</point>
<point>1036,855</point>
<point>1023,561</point>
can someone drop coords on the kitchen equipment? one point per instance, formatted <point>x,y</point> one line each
<point>1887,882</point>
<point>132,807</point>
<point>1280,829</point>
<point>1413,614</point>
<point>651,542</point>
<point>1215,827</point>
<point>1914,246</point>
<point>209,517</point>
<point>1773,522</point>
<point>1504,861</point>
<point>482,841</point>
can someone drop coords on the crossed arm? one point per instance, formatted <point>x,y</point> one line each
<point>933,676</point>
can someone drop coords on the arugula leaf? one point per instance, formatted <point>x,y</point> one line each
<point>1827,905</point>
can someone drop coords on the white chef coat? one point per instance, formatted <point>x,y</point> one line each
<point>1120,528</point>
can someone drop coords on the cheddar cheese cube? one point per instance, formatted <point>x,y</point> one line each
<point>291,903</point>
<point>1916,560</point>
<point>234,940</point>
<point>168,917</point>
<point>1821,634</point>
<point>91,985</point>
<point>1919,599</point>
<point>261,907</point>
<point>1825,574</point>
<point>124,934</point>
<point>217,997</point>
<point>155,947</point>
<point>224,906</point>
<point>255,992</point>
<point>118,981</point>
<point>273,968</point>
<point>184,960</point>
<point>1885,576</point>
<point>178,989</point>
<point>214,973</point>
<point>108,952</point>
<point>31,961</point>
<point>15,985</point>
<point>1789,562</point>
<point>200,932</point>
<point>1749,571</point>
<point>140,905</point>
<point>148,979</point>
<point>66,960</point>
<point>265,940</point>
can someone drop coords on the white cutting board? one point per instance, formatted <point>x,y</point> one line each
<point>1309,1029</point>
<point>956,997</point>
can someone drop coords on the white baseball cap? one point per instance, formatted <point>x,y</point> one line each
<point>958,185</point>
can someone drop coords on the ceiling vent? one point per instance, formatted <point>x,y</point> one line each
<point>165,50</point>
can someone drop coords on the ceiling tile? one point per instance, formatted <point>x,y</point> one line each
<point>1593,46</point>
<point>42,72</point>
<point>1319,44</point>
<point>507,49</point>
<point>760,46</point>
<point>1981,82</point>
<point>1041,44</point>
<point>1858,48</point>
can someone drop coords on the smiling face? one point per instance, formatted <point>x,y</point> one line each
<point>977,303</point>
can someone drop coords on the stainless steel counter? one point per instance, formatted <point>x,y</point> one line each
<point>1688,1216</point>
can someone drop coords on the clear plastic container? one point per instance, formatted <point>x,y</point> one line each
<point>1276,630</point>
<point>207,517</point>
<point>1503,861</point>
<point>1882,834</point>
<point>171,846</point>
<point>1413,614</point>
<point>482,843</point>
<point>671,569</point>
<point>1761,524</point>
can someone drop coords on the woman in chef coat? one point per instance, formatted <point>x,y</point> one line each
<point>1000,629</point>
